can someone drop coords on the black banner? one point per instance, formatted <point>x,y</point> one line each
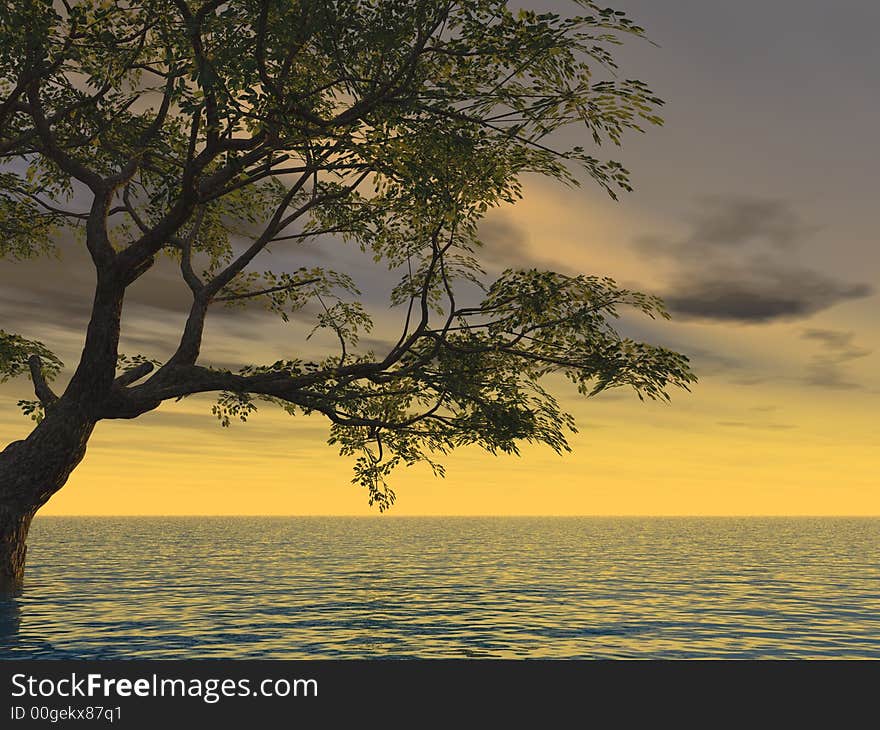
<point>134,694</point>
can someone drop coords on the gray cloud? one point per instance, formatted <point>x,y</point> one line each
<point>39,294</point>
<point>378,345</point>
<point>827,369</point>
<point>50,299</point>
<point>735,264</point>
<point>708,362</point>
<point>729,222</point>
<point>835,340</point>
<point>505,245</point>
<point>749,380</point>
<point>827,374</point>
<point>739,221</point>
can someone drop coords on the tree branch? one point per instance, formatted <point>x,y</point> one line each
<point>50,148</point>
<point>41,388</point>
<point>270,290</point>
<point>134,374</point>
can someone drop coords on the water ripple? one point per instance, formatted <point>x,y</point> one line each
<point>447,587</point>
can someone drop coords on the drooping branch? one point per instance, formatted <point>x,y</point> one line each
<point>270,290</point>
<point>576,345</point>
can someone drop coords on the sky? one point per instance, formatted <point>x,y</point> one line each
<point>753,216</point>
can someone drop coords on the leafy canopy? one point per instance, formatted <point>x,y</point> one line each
<point>214,132</point>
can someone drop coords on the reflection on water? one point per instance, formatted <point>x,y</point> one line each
<point>447,587</point>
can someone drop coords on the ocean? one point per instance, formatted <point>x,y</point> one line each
<point>398,587</point>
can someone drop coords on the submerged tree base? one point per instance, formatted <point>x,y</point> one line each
<point>13,551</point>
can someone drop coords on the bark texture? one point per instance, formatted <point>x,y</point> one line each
<point>13,551</point>
<point>31,471</point>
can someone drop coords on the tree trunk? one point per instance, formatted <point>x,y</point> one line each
<point>31,471</point>
<point>13,550</point>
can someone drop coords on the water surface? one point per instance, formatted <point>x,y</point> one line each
<point>290,588</point>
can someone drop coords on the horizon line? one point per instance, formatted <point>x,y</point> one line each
<point>447,516</point>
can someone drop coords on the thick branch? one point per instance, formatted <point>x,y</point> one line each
<point>41,388</point>
<point>205,72</point>
<point>97,239</point>
<point>133,375</point>
<point>185,245</point>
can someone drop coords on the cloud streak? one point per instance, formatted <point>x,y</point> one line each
<point>828,368</point>
<point>757,426</point>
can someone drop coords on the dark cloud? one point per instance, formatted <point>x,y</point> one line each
<point>762,293</point>
<point>735,264</point>
<point>45,291</point>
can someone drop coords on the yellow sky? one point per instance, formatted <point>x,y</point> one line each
<point>629,458</point>
<point>748,440</point>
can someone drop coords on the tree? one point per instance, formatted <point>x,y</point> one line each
<point>210,131</point>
